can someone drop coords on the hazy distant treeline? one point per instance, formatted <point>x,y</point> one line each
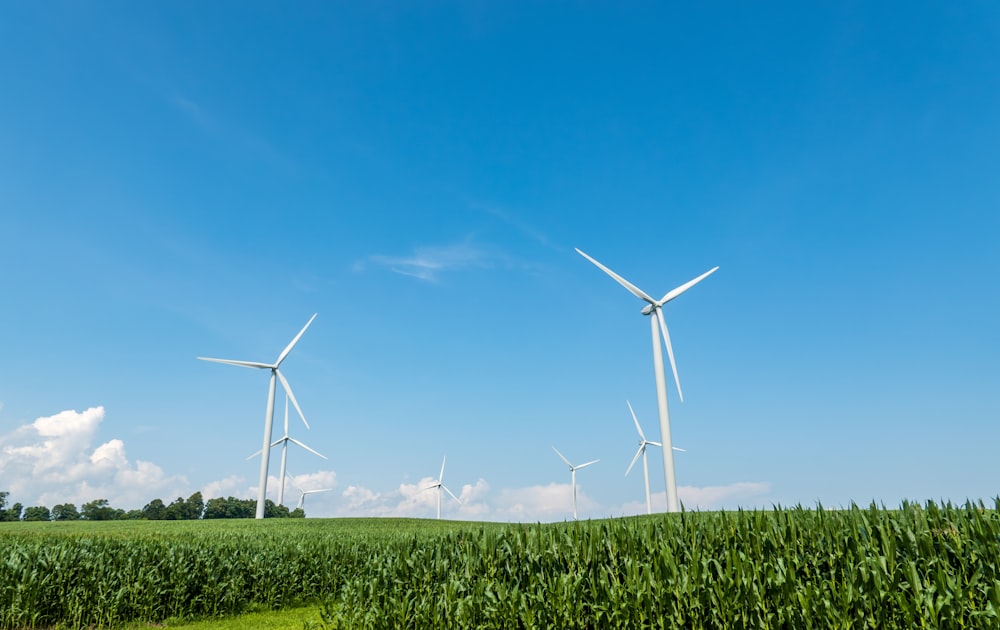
<point>194,507</point>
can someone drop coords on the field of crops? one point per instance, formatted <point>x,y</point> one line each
<point>919,566</point>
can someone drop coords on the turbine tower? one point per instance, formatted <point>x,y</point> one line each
<point>658,325</point>
<point>643,443</point>
<point>572,472</point>
<point>303,493</point>
<point>284,440</point>
<point>441,488</point>
<point>269,412</point>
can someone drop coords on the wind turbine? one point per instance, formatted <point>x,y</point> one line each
<point>269,413</point>
<point>572,472</point>
<point>439,484</point>
<point>284,453</point>
<point>303,493</point>
<point>658,325</point>
<point>643,443</point>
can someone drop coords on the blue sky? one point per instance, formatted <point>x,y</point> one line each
<point>182,180</point>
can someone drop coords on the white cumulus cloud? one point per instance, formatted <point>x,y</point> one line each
<point>52,460</point>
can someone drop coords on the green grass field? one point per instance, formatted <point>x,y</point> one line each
<point>920,566</point>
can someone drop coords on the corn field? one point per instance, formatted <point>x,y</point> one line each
<point>922,566</point>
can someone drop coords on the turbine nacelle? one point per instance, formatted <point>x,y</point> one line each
<point>648,309</point>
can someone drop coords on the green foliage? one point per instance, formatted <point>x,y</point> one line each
<point>155,510</point>
<point>933,566</point>
<point>39,513</point>
<point>13,513</point>
<point>100,510</point>
<point>65,512</point>
<point>230,507</point>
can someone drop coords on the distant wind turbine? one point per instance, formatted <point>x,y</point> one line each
<point>303,493</point>
<point>572,472</point>
<point>269,413</point>
<point>643,443</point>
<point>441,488</point>
<point>658,325</point>
<point>284,440</point>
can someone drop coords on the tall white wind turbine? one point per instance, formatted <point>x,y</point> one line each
<point>572,472</point>
<point>284,440</point>
<point>441,488</point>
<point>269,413</point>
<point>303,493</point>
<point>659,325</point>
<point>643,443</point>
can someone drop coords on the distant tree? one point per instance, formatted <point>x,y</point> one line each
<point>38,513</point>
<point>174,511</point>
<point>3,499</point>
<point>273,510</point>
<point>230,507</point>
<point>155,510</point>
<point>135,515</point>
<point>194,507</point>
<point>297,513</point>
<point>99,510</point>
<point>13,513</point>
<point>65,512</point>
<point>216,508</point>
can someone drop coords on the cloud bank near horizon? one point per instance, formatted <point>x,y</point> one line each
<point>53,460</point>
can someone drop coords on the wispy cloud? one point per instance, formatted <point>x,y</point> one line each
<point>192,110</point>
<point>518,224</point>
<point>229,132</point>
<point>428,263</point>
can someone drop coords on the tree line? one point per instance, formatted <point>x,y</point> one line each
<point>192,508</point>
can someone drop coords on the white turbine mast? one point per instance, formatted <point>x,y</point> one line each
<point>441,488</point>
<point>269,412</point>
<point>659,325</point>
<point>303,493</point>
<point>643,443</point>
<point>572,473</point>
<point>284,440</point>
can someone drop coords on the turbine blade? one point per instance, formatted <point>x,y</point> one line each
<point>634,290</point>
<point>256,454</point>
<point>288,348</point>
<point>654,443</point>
<point>635,459</point>
<point>684,287</point>
<point>451,493</point>
<point>677,448</point>
<point>246,364</point>
<point>587,464</point>
<point>562,457</point>
<point>441,476</point>
<point>291,396</point>
<point>293,440</point>
<point>638,428</point>
<point>670,351</point>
